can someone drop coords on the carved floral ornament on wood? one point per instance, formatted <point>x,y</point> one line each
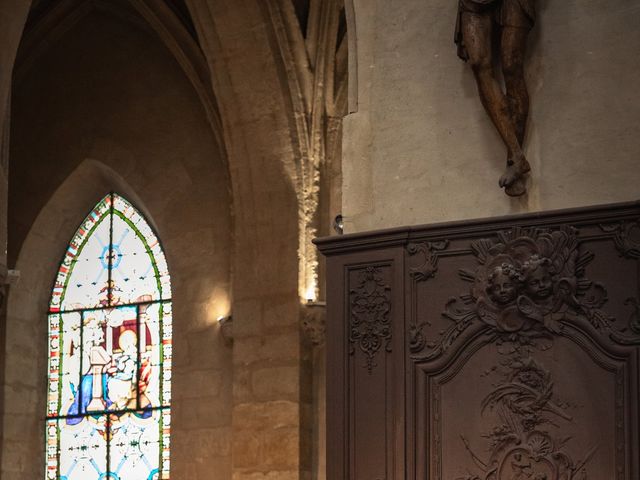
<point>370,322</point>
<point>528,285</point>
<point>521,446</point>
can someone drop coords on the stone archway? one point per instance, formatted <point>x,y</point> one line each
<point>200,355</point>
<point>260,146</point>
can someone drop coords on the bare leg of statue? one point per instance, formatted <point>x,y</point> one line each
<point>477,31</point>
<point>513,45</point>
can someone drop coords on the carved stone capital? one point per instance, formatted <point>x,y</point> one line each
<point>314,319</point>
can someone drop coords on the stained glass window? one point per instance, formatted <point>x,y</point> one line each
<point>109,396</point>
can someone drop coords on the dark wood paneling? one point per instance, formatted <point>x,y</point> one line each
<point>365,394</point>
<point>494,349</point>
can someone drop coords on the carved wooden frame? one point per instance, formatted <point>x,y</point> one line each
<point>411,422</point>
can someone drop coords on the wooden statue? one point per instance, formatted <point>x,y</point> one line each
<point>480,22</point>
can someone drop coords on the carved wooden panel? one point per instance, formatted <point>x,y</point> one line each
<point>365,362</point>
<point>505,349</point>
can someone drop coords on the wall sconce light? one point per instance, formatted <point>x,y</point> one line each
<point>226,329</point>
<point>338,224</point>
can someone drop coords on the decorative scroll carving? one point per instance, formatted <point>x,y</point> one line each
<point>429,267</point>
<point>521,446</point>
<point>370,322</point>
<point>417,339</point>
<point>634,319</point>
<point>624,337</point>
<point>528,282</point>
<point>626,238</point>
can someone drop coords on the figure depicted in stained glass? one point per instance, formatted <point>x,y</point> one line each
<point>110,352</point>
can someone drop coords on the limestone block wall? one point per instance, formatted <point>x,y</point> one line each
<point>269,403</point>
<point>108,108</point>
<point>420,149</point>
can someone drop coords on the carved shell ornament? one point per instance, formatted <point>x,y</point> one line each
<point>527,283</point>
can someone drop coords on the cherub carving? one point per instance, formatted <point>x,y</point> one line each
<point>503,283</point>
<point>526,280</point>
<point>537,279</point>
<point>527,284</point>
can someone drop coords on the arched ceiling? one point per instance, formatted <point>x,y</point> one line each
<point>271,75</point>
<point>169,19</point>
<point>40,8</point>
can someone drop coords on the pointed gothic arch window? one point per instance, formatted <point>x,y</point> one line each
<point>109,395</point>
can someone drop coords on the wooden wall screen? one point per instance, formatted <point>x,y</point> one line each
<point>504,349</point>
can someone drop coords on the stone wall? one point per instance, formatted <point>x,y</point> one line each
<point>105,108</point>
<point>420,148</point>
<point>103,105</point>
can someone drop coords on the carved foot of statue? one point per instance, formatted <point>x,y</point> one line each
<point>517,188</point>
<point>513,178</point>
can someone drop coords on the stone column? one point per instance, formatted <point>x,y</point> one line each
<point>314,327</point>
<point>268,405</point>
